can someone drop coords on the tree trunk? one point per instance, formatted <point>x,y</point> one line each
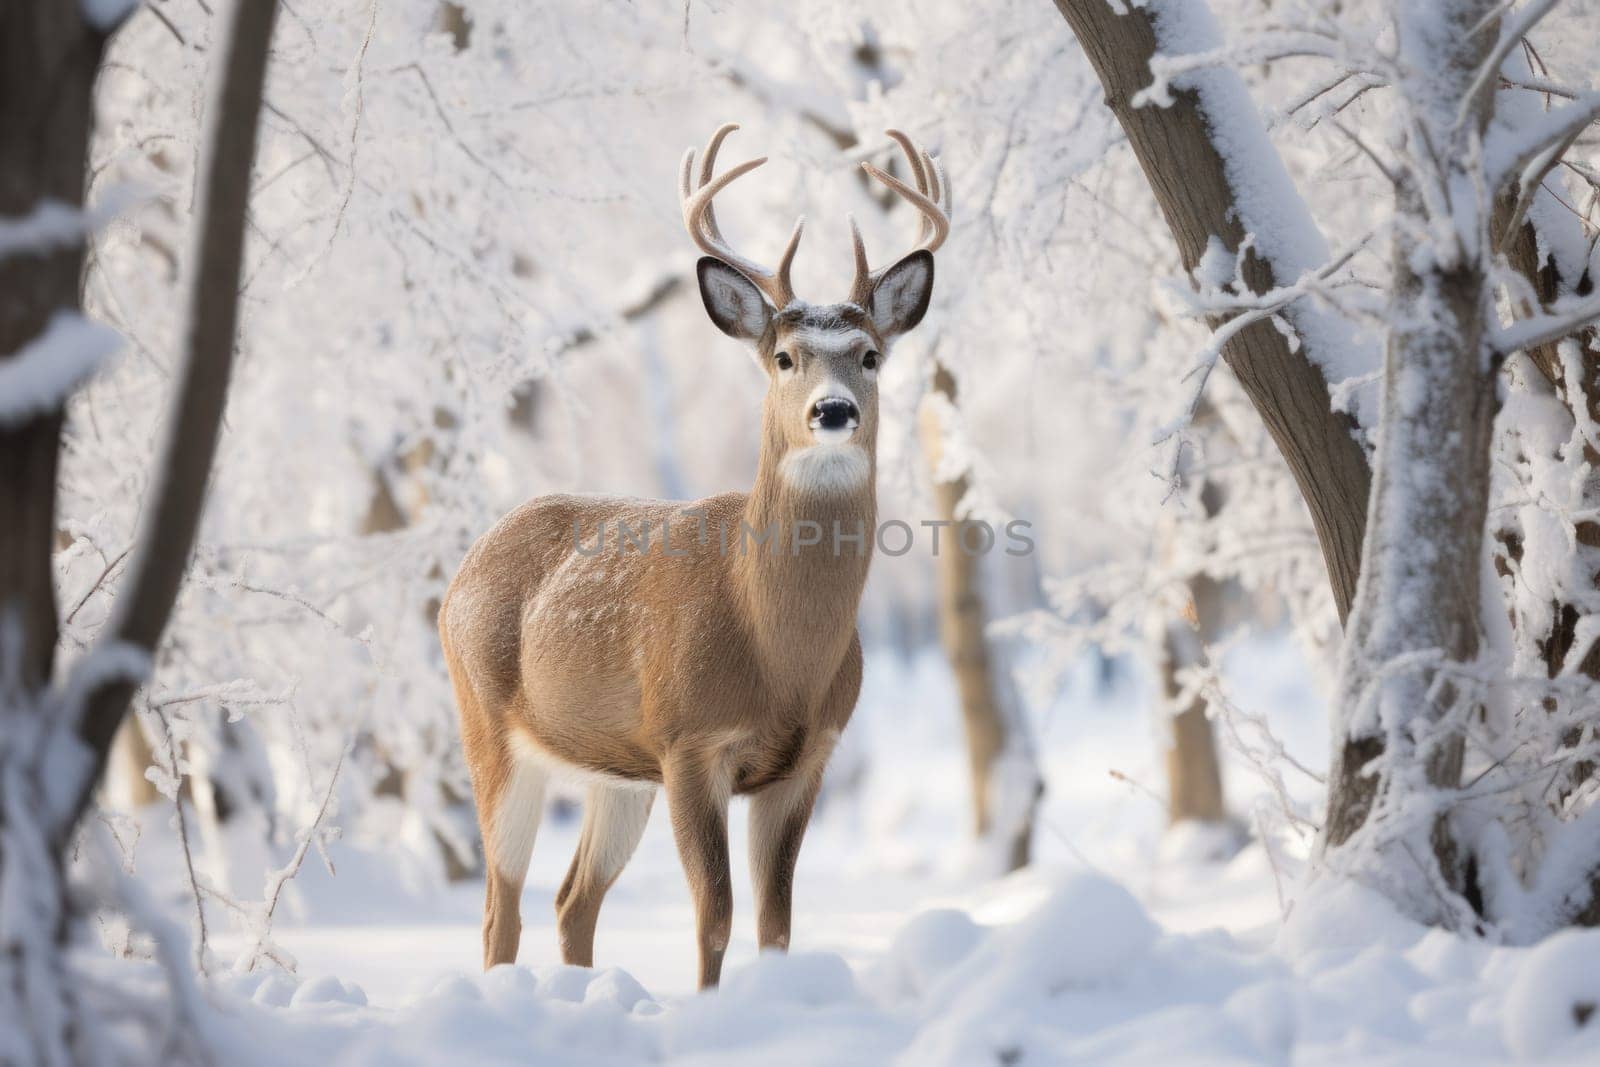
<point>1416,611</point>
<point>1186,171</point>
<point>48,59</point>
<point>126,785</point>
<point>49,55</point>
<point>173,515</point>
<point>1005,781</point>
<point>1194,774</point>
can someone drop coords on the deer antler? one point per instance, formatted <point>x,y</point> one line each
<point>931,197</point>
<point>701,220</point>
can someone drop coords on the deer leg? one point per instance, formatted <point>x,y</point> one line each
<point>508,816</point>
<point>613,821</point>
<point>779,815</point>
<point>698,802</point>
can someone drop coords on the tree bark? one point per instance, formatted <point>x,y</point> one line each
<point>1417,610</point>
<point>991,734</point>
<point>48,59</point>
<point>1194,773</point>
<point>1185,170</point>
<point>49,56</point>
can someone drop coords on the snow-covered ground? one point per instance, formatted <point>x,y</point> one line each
<point>1118,946</point>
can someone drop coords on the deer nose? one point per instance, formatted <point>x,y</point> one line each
<point>834,413</point>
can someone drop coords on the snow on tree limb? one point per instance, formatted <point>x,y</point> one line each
<point>51,225</point>
<point>38,379</point>
<point>1543,329</point>
<point>1512,150</point>
<point>1214,172</point>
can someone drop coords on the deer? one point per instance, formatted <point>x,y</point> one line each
<point>707,665</point>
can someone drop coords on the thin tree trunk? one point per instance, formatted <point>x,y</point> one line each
<point>173,515</point>
<point>1005,783</point>
<point>126,785</point>
<point>1194,773</point>
<point>1187,174</point>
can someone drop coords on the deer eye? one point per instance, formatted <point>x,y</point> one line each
<point>870,360</point>
<point>784,361</point>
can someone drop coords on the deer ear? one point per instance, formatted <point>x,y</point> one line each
<point>901,297</point>
<point>734,304</point>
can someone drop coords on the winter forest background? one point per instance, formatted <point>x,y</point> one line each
<point>1173,786</point>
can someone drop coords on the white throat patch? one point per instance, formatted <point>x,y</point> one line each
<point>826,469</point>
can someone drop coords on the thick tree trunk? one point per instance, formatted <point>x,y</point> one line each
<point>1187,174</point>
<point>49,56</point>
<point>1005,783</point>
<point>48,59</point>
<point>1417,609</point>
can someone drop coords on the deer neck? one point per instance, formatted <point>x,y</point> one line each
<point>800,599</point>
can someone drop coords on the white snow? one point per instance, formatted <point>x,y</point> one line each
<point>494,200</point>
<point>51,224</point>
<point>1554,997</point>
<point>1271,209</point>
<point>1113,949</point>
<point>46,370</point>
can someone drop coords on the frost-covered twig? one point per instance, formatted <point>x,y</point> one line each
<point>190,1029</point>
<point>1264,757</point>
<point>1137,786</point>
<point>174,777</point>
<point>357,90</point>
<point>96,584</point>
<point>1217,297</point>
<point>278,879</point>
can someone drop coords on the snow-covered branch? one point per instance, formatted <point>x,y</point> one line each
<point>1562,320</point>
<point>49,368</point>
<point>1511,32</point>
<point>1511,151</point>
